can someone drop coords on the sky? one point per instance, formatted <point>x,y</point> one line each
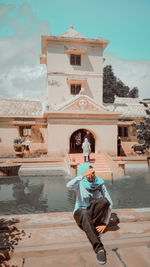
<point>126,23</point>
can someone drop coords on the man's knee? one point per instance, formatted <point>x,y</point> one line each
<point>81,217</point>
<point>103,202</point>
<point>80,214</point>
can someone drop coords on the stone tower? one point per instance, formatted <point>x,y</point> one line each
<point>74,62</point>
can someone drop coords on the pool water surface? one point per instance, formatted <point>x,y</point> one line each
<point>44,191</point>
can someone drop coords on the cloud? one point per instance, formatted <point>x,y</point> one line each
<point>21,74</point>
<point>133,73</point>
<point>25,82</point>
<point>20,22</point>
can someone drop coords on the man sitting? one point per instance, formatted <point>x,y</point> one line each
<point>92,208</point>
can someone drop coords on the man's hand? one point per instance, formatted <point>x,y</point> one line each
<point>88,172</point>
<point>101,228</point>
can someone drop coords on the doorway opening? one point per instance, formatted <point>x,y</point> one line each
<point>77,138</point>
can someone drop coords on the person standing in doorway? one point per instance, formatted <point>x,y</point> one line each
<point>119,146</point>
<point>27,148</point>
<point>86,149</point>
<point>78,141</point>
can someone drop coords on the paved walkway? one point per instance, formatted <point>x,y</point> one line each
<point>55,240</point>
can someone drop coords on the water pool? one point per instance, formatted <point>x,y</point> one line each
<point>44,191</point>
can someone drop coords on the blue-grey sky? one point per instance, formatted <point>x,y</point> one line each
<point>126,23</point>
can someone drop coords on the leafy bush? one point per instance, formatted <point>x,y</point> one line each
<point>143,132</point>
<point>18,141</point>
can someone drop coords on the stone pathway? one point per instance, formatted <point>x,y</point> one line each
<point>55,240</point>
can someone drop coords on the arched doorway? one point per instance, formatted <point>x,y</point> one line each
<point>77,138</point>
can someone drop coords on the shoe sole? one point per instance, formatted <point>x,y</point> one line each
<point>101,262</point>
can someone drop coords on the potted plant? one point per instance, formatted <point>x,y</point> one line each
<point>19,147</point>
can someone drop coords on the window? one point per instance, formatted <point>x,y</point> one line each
<point>75,89</point>
<point>123,131</point>
<point>75,59</point>
<point>25,131</point>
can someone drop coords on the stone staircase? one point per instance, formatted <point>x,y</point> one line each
<point>103,164</point>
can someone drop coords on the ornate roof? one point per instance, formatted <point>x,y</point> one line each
<point>71,33</point>
<point>20,108</point>
<point>70,36</point>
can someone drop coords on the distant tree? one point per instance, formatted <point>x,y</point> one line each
<point>143,132</point>
<point>109,84</point>
<point>113,86</point>
<point>134,92</point>
<point>121,89</point>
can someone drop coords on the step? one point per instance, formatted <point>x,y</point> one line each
<point>99,163</point>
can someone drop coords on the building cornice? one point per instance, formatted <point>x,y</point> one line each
<point>86,75</point>
<point>45,39</point>
<point>79,115</point>
<point>23,121</point>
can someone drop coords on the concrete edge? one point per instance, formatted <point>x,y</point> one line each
<point>50,249</point>
<point>66,218</point>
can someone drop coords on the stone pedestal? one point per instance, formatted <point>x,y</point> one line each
<point>73,168</point>
<point>148,162</point>
<point>121,166</point>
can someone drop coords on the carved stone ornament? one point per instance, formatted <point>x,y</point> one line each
<point>83,104</point>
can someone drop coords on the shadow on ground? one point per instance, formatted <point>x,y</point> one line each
<point>113,223</point>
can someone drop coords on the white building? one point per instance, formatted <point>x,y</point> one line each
<point>74,103</point>
<point>75,93</point>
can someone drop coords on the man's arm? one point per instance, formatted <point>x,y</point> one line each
<point>106,195</point>
<point>73,184</point>
<point>101,228</point>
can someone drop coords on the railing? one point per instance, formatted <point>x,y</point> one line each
<point>119,167</point>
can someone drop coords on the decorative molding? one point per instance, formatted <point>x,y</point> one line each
<point>76,51</point>
<point>84,76</point>
<point>82,104</point>
<point>77,80</point>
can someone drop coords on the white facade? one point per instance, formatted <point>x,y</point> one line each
<point>60,73</point>
<point>68,112</point>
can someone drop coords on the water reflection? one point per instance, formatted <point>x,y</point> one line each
<point>19,195</point>
<point>48,193</point>
<point>132,191</point>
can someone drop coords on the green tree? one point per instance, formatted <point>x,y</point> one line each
<point>134,92</point>
<point>113,86</point>
<point>109,84</point>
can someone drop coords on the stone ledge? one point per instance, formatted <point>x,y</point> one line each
<point>51,239</point>
<point>50,249</point>
<point>66,218</point>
